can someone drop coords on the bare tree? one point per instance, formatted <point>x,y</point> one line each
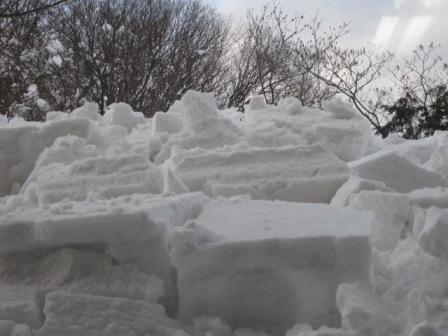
<point>349,72</point>
<point>22,53</point>
<point>146,53</point>
<point>14,8</point>
<point>420,74</point>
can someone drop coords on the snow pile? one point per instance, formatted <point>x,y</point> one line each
<point>282,221</point>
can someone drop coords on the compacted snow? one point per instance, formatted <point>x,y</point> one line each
<point>284,220</point>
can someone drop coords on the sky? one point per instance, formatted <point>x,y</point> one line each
<point>395,25</point>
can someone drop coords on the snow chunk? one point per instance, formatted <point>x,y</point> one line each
<point>340,109</point>
<point>89,111</point>
<point>291,105</point>
<point>109,176</point>
<point>391,215</point>
<point>9,328</point>
<point>22,144</point>
<point>203,127</point>
<point>363,313</point>
<point>20,305</point>
<point>74,314</point>
<point>439,159</point>
<point>428,197</point>
<point>257,103</point>
<point>434,237</point>
<point>302,173</point>
<point>79,271</point>
<point>262,263</point>
<point>198,107</point>
<point>121,114</point>
<point>204,326</point>
<point>165,122</point>
<point>133,218</point>
<point>348,141</point>
<point>353,186</point>
<point>397,172</point>
<point>3,120</point>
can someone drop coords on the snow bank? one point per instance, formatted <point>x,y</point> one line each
<point>252,263</point>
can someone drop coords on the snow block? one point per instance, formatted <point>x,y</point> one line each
<point>291,105</point>
<point>109,176</point>
<point>22,144</point>
<point>134,219</point>
<point>20,304</point>
<point>434,237</point>
<point>427,197</point>
<point>121,114</point>
<point>348,141</point>
<point>271,264</point>
<point>340,109</point>
<point>363,313</point>
<point>439,159</point>
<point>397,172</point>
<point>10,328</point>
<point>392,212</point>
<point>164,122</point>
<point>72,314</point>
<point>355,185</point>
<point>300,173</point>
<point>79,271</point>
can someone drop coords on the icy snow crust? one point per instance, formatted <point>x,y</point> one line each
<point>284,220</point>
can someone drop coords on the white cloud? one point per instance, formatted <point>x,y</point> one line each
<point>366,18</point>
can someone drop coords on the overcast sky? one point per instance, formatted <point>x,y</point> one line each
<point>398,25</point>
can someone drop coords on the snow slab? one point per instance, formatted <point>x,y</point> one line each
<point>355,185</point>
<point>397,172</point>
<point>109,176</point>
<point>202,127</point>
<point>121,114</point>
<point>72,314</point>
<point>428,197</point>
<point>134,218</point>
<point>391,216</point>
<point>77,271</point>
<point>272,264</point>
<point>10,328</point>
<point>363,313</point>
<point>300,173</point>
<point>20,305</point>
<point>21,145</point>
<point>434,236</point>
<point>348,141</point>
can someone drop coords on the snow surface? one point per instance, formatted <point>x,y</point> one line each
<point>282,221</point>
